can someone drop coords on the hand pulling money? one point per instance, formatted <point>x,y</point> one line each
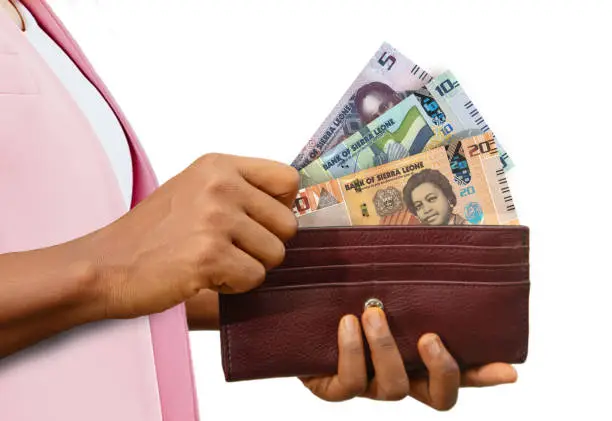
<point>403,147</point>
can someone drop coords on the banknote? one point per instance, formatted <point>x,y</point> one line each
<point>466,119</point>
<point>404,130</point>
<point>459,183</point>
<point>375,90</point>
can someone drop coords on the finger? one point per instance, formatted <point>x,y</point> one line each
<point>258,242</point>
<point>352,378</point>
<point>233,272</point>
<point>390,380</point>
<point>352,375</point>
<point>442,389</point>
<point>270,213</point>
<point>489,375</point>
<point>275,178</point>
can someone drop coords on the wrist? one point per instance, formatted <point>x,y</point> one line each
<point>87,283</point>
<point>46,291</point>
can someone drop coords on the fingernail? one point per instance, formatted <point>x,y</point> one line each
<point>434,347</point>
<point>350,325</point>
<point>375,317</point>
<point>513,374</point>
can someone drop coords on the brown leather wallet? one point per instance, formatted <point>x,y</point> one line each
<point>468,284</point>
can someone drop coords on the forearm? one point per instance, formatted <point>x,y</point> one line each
<point>203,311</point>
<point>44,292</point>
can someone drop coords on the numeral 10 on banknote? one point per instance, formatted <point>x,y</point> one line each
<point>446,86</point>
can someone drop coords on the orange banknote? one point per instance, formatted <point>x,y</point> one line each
<point>461,183</point>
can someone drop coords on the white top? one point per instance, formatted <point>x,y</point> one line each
<point>96,109</point>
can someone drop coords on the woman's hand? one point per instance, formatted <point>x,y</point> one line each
<point>390,383</point>
<point>219,225</point>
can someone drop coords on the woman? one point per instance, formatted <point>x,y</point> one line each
<point>429,196</point>
<point>87,235</point>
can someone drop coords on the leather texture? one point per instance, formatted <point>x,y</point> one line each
<point>468,284</point>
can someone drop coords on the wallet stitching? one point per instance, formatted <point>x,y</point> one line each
<point>477,266</point>
<point>525,311</point>
<point>457,284</point>
<point>525,323</point>
<point>229,350</point>
<point>411,245</point>
<point>451,265</point>
<point>226,333</point>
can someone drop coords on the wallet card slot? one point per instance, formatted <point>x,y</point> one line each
<point>434,253</point>
<point>474,235</point>
<point>391,282</point>
<point>381,272</point>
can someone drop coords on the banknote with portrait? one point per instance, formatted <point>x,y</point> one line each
<point>461,183</point>
<point>378,87</point>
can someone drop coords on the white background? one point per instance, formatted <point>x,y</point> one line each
<point>258,77</point>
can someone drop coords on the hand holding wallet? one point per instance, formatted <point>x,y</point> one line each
<point>468,284</point>
<point>411,213</point>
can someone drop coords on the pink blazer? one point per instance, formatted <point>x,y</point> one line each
<point>56,184</point>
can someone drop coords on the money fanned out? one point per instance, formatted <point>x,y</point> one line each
<point>461,111</point>
<point>422,121</point>
<point>376,89</point>
<point>404,130</point>
<point>462,182</point>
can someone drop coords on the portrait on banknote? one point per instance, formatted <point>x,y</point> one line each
<point>373,100</point>
<point>376,98</point>
<point>429,196</point>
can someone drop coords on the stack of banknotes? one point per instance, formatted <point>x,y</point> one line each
<point>403,147</point>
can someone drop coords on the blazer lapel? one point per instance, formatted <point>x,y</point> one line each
<point>145,180</point>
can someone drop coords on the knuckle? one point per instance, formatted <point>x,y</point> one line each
<point>352,347</point>
<point>211,249</point>
<point>448,368</point>
<point>383,342</point>
<point>354,385</point>
<point>217,217</point>
<point>210,253</point>
<point>209,159</point>
<point>221,184</point>
<point>399,391</point>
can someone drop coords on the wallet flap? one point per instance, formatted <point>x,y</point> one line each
<point>473,235</point>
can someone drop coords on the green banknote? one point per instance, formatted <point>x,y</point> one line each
<point>404,130</point>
